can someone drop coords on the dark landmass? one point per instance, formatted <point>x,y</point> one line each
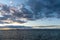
<point>15,27</point>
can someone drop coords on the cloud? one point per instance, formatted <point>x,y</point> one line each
<point>15,14</point>
<point>38,9</point>
<point>47,7</point>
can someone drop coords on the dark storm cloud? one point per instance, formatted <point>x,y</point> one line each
<point>46,6</point>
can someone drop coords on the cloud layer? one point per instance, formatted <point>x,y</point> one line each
<point>36,9</point>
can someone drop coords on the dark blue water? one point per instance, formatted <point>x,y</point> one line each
<point>30,34</point>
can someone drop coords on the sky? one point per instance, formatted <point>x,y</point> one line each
<point>38,22</point>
